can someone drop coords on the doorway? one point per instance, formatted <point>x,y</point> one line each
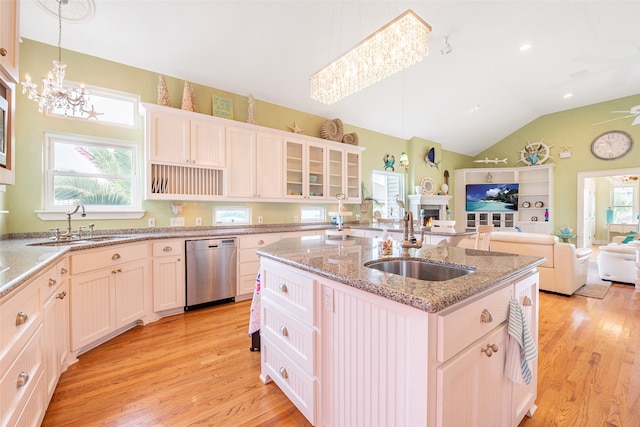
<point>587,201</point>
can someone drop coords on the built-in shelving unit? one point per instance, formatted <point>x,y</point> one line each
<point>535,198</point>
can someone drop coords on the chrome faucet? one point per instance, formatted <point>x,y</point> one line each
<point>409,240</point>
<point>69,233</point>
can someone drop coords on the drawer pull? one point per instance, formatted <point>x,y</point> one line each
<point>115,256</point>
<point>261,242</point>
<point>489,349</point>
<point>486,316</point>
<point>23,378</point>
<point>167,249</point>
<point>63,270</point>
<point>526,301</point>
<point>3,51</point>
<point>52,281</point>
<point>284,331</point>
<point>283,372</point>
<point>21,318</point>
<point>283,287</point>
<point>61,295</point>
<point>116,271</point>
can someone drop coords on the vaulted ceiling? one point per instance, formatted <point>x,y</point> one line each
<point>466,100</point>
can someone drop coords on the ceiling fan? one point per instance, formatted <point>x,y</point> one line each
<point>633,112</point>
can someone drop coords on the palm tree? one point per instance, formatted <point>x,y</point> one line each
<point>99,190</point>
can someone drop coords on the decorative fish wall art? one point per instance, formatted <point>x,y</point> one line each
<point>430,158</point>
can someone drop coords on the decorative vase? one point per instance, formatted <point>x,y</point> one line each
<point>364,210</point>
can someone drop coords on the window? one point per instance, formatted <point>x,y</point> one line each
<point>225,215</point>
<point>623,203</point>
<point>312,214</point>
<point>107,107</point>
<point>386,187</point>
<point>99,174</point>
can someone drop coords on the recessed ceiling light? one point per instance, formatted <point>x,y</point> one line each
<point>567,95</point>
<point>525,46</point>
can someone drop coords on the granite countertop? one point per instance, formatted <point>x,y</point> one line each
<point>343,261</point>
<point>19,261</point>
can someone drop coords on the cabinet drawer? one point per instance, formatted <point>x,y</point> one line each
<point>19,317</point>
<point>102,258</point>
<point>21,377</point>
<point>257,240</point>
<point>295,337</point>
<point>168,248</point>
<point>248,255</point>
<point>53,278</point>
<point>462,326</point>
<point>300,388</point>
<point>290,290</point>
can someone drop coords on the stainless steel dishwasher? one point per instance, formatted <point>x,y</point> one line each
<point>211,271</point>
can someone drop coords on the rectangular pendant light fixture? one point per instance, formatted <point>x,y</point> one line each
<point>397,45</point>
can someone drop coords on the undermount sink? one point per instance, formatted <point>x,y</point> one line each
<point>420,269</point>
<point>82,241</point>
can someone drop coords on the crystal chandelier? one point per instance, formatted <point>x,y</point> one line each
<point>397,45</point>
<point>55,95</point>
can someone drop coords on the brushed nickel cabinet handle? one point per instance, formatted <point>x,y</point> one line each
<point>284,331</point>
<point>261,242</point>
<point>61,295</point>
<point>283,372</point>
<point>283,287</point>
<point>3,51</point>
<point>526,301</point>
<point>167,249</point>
<point>63,270</point>
<point>486,316</point>
<point>21,318</point>
<point>23,378</point>
<point>115,256</point>
<point>52,281</point>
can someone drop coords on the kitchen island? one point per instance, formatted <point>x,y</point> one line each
<point>351,345</point>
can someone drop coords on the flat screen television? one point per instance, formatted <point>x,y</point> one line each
<point>492,197</point>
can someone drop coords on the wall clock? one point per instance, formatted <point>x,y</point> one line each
<point>611,145</point>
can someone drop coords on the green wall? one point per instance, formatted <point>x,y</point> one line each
<point>575,128</point>
<point>25,198</point>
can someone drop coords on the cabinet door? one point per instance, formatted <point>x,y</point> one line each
<point>524,395</point>
<point>91,307</point>
<point>294,169</point>
<point>315,179</point>
<point>241,163</point>
<point>168,283</point>
<point>207,143</point>
<point>129,287</point>
<point>169,138</point>
<point>269,166</point>
<point>471,386</point>
<point>352,171</point>
<point>336,172</point>
<point>9,37</point>
<point>56,337</point>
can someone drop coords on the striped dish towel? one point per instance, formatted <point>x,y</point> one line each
<point>521,348</point>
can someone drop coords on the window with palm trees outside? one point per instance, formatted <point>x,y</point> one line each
<point>99,174</point>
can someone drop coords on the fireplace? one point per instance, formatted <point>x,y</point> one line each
<point>435,207</point>
<point>428,212</point>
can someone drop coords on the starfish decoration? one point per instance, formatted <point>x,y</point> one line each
<point>295,128</point>
<point>566,147</point>
<point>92,113</point>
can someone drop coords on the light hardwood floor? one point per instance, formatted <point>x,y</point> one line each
<point>195,369</point>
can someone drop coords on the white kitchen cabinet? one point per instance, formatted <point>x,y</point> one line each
<point>9,36</point>
<point>343,173</point>
<point>305,170</point>
<point>168,275</point>
<point>175,137</point>
<point>109,290</point>
<point>56,324</point>
<point>269,166</point>
<point>249,261</point>
<point>477,380</point>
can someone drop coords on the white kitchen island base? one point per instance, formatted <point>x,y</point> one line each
<point>346,356</point>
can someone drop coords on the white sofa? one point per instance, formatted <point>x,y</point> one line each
<point>565,269</point>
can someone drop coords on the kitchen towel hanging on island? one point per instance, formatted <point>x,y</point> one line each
<point>521,348</point>
<point>254,319</point>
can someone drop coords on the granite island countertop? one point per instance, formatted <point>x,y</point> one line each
<point>343,261</point>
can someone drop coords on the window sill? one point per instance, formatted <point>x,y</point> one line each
<point>61,215</point>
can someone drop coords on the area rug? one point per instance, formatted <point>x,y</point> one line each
<point>595,286</point>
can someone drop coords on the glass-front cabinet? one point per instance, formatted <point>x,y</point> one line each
<point>305,170</point>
